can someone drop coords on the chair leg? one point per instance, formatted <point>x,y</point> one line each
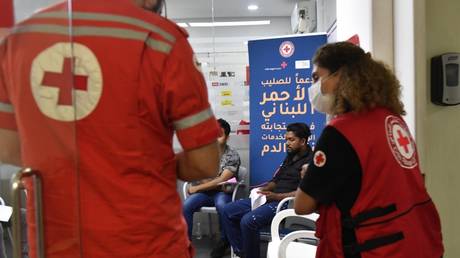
<point>210,225</point>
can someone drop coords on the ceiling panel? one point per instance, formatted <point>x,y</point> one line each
<point>201,9</point>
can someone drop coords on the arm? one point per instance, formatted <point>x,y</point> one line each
<point>304,203</point>
<point>335,179</point>
<point>10,147</point>
<point>9,138</point>
<point>199,163</point>
<point>214,183</point>
<point>186,106</point>
<point>271,196</point>
<point>268,187</point>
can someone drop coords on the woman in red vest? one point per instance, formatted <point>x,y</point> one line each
<point>364,178</point>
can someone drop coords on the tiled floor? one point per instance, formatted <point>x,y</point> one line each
<point>204,245</point>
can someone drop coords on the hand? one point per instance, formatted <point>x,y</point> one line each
<point>192,189</point>
<point>271,196</point>
<point>263,189</point>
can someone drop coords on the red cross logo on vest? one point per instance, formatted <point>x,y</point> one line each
<point>403,141</point>
<point>287,49</point>
<point>66,83</point>
<point>400,142</point>
<point>319,159</point>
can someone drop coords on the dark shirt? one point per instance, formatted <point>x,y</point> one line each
<point>287,178</point>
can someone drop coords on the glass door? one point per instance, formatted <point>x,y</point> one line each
<point>38,152</point>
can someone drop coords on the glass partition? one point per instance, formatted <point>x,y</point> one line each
<point>38,170</point>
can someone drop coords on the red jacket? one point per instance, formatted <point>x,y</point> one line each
<point>103,137</point>
<point>393,215</point>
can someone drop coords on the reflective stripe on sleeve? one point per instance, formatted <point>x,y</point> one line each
<point>193,120</point>
<point>6,108</point>
<point>108,17</point>
<point>96,31</point>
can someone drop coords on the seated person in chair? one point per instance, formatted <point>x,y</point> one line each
<point>209,192</point>
<point>242,224</point>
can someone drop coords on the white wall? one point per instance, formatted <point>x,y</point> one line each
<point>404,45</point>
<point>355,17</point>
<point>438,128</point>
<point>382,31</point>
<point>327,14</point>
<point>25,8</point>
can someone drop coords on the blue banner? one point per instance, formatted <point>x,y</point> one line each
<point>280,74</point>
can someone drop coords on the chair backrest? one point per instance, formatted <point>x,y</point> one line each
<point>288,200</point>
<point>242,188</point>
<point>185,186</point>
<point>289,249</point>
<point>243,175</point>
<point>280,216</point>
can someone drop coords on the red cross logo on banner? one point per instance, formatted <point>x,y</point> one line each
<point>319,159</point>
<point>66,81</point>
<point>287,49</point>
<point>400,142</point>
<point>63,81</point>
<point>284,65</point>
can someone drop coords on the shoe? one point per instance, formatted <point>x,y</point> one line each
<point>221,249</point>
<point>238,255</point>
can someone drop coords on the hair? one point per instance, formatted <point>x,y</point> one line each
<point>364,83</point>
<point>300,130</point>
<point>224,125</point>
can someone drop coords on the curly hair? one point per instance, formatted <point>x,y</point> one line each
<point>364,83</point>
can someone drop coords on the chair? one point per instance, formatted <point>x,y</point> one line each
<point>288,200</point>
<point>241,185</point>
<point>290,224</point>
<point>286,247</point>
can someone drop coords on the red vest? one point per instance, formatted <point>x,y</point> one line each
<point>393,215</point>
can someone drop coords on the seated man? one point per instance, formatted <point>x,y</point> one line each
<point>208,192</point>
<point>241,224</point>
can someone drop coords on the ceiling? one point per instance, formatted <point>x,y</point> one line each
<point>202,9</point>
<point>228,45</point>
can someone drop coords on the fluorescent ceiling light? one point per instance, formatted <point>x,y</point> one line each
<point>229,24</point>
<point>253,7</point>
<point>182,24</point>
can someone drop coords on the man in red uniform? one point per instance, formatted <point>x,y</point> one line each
<point>95,106</point>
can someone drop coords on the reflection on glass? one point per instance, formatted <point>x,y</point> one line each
<point>35,70</point>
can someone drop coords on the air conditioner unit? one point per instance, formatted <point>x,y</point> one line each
<point>303,18</point>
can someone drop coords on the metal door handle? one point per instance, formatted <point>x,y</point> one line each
<point>17,186</point>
